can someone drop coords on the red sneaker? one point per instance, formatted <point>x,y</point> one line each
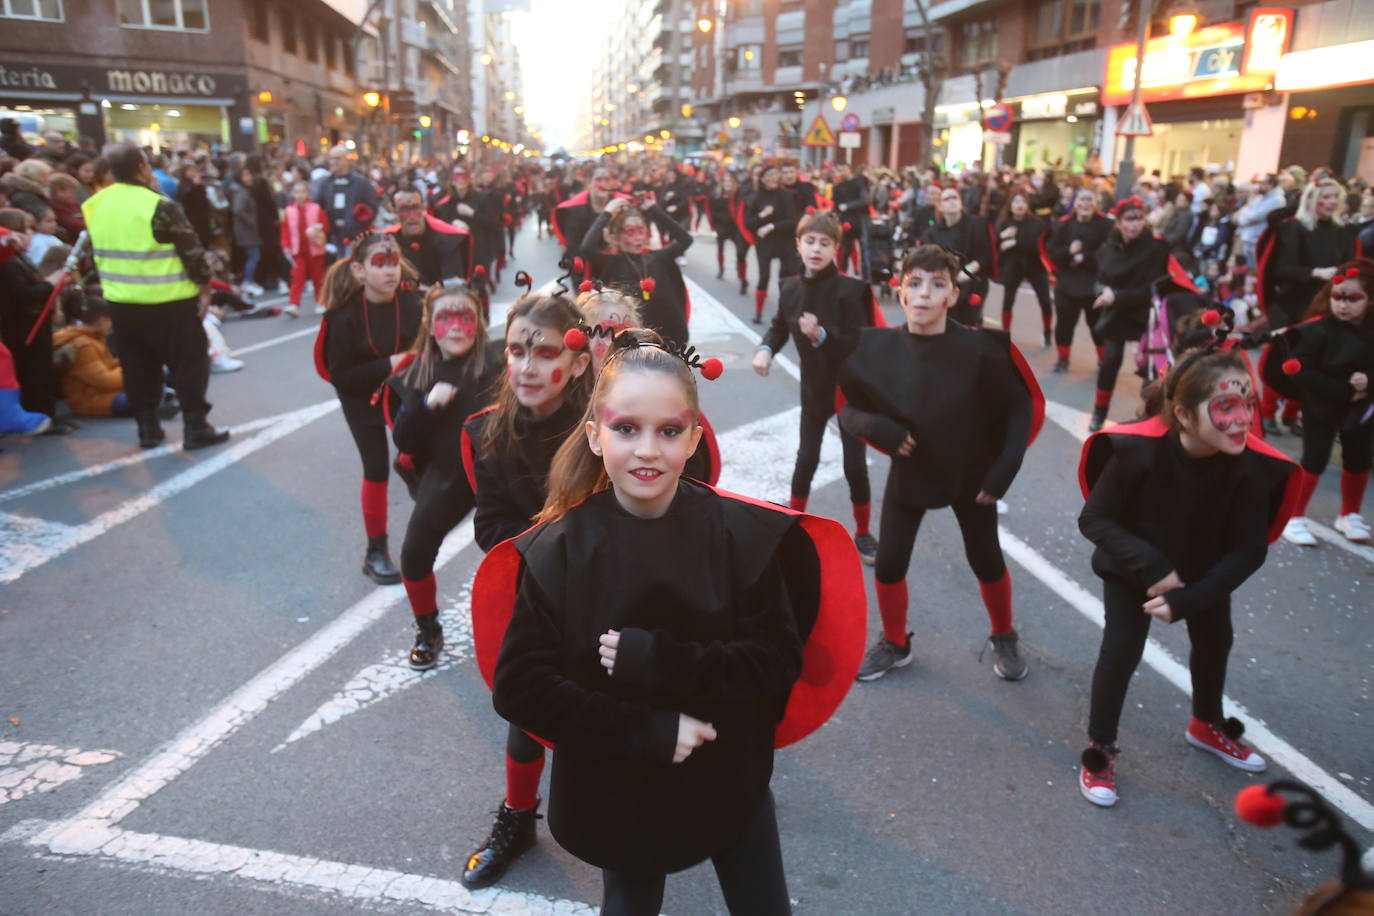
<point>1223,739</point>
<point>1097,775</point>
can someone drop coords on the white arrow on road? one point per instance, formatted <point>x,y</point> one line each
<point>27,769</point>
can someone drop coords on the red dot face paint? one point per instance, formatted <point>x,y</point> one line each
<point>556,376</point>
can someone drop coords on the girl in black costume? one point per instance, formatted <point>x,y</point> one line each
<point>628,265</point>
<point>771,218</point>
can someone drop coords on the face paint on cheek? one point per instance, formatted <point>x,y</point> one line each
<point>556,376</point>
<point>1231,411</point>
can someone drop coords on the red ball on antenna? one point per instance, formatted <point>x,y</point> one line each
<point>647,285</point>
<point>1257,805</point>
<point>1211,318</point>
<point>574,339</point>
<point>847,227</point>
<point>578,265</point>
<point>1292,366</point>
<point>810,211</point>
<point>711,369</point>
<point>479,271</point>
<point>586,286</point>
<point>1352,273</point>
<point>894,282</point>
<point>975,299</point>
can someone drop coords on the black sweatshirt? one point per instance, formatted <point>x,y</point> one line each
<point>1026,252</point>
<point>783,219</point>
<point>1076,277</point>
<point>1131,269</point>
<point>843,305</point>
<point>434,437</point>
<point>851,201</point>
<point>1297,250</point>
<point>958,394</point>
<point>707,629</point>
<point>666,309</point>
<point>484,224</point>
<point>437,256</point>
<point>968,239</point>
<point>1154,509</point>
<point>1329,350</point>
<point>512,485</point>
<point>358,363</point>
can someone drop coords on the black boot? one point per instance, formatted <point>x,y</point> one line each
<point>202,435</point>
<point>150,434</point>
<point>511,836</point>
<point>743,287</point>
<point>377,564</point>
<point>429,642</point>
<point>1098,419</point>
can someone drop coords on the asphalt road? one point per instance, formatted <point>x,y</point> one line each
<point>204,705</point>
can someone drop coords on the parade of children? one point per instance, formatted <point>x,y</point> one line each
<point>708,632</point>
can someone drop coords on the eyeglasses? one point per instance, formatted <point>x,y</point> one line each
<point>385,258</point>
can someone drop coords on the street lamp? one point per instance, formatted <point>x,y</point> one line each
<point>839,102</point>
<point>1181,25</point>
<point>687,110</point>
<point>510,95</point>
<point>734,122</point>
<point>485,59</point>
<point>372,99</point>
<point>704,25</point>
<point>666,134</point>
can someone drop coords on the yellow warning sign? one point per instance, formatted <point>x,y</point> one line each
<point>820,133</point>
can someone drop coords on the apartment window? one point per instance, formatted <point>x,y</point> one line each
<point>262,23</point>
<point>181,15</point>
<point>330,55</point>
<point>346,49</point>
<point>312,52</point>
<point>978,42</point>
<point>288,31</point>
<point>748,57</point>
<point>1063,27</point>
<point>842,50</point>
<point>743,9</point>
<point>46,10</point>
<point>915,44</point>
<point>1084,16</point>
<point>792,58</point>
<point>858,49</point>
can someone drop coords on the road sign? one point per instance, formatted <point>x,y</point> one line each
<point>849,122</point>
<point>1135,123</point>
<point>1002,138</point>
<point>851,139</point>
<point>998,118</point>
<point>820,133</point>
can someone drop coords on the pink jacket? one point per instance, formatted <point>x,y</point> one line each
<point>291,227</point>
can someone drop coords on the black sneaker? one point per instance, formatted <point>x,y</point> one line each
<point>1061,366</point>
<point>868,548</point>
<point>1048,338</point>
<point>1270,427</point>
<point>511,836</point>
<point>377,564</point>
<point>1007,662</point>
<point>429,642</point>
<point>1098,420</point>
<point>1295,426</point>
<point>758,319</point>
<point>883,657</point>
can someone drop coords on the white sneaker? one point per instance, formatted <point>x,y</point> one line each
<point>1354,527</point>
<point>1295,532</point>
<point>291,311</point>
<point>283,289</point>
<point>225,364</point>
<point>253,289</point>
<point>1002,508</point>
<point>320,310</point>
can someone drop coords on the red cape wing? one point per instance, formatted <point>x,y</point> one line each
<point>737,211</point>
<point>708,436</point>
<point>469,452</point>
<point>1180,276</point>
<point>1044,253</point>
<point>1098,448</point>
<point>1037,396</point>
<point>321,342</point>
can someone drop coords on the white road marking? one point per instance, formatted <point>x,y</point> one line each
<point>27,769</point>
<point>16,564</point>
<point>273,341</point>
<point>138,457</point>
<point>1075,422</point>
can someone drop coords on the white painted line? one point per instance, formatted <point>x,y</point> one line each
<point>13,566</point>
<point>1257,733</point>
<point>1076,423</point>
<point>27,769</point>
<point>355,883</point>
<point>273,341</point>
<point>138,457</point>
<point>718,315</point>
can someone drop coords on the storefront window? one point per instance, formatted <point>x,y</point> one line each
<point>163,126</point>
<point>182,15</point>
<point>34,121</point>
<point>47,10</point>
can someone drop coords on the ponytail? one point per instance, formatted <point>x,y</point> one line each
<point>340,286</point>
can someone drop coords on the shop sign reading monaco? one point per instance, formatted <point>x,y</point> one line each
<point>118,81</point>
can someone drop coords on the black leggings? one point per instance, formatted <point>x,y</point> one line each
<point>897,538</point>
<point>1113,353</point>
<point>741,249</point>
<point>750,875</point>
<point>438,510</point>
<point>368,426</point>
<point>1067,308</point>
<point>789,264</point>
<point>1317,438</point>
<point>1013,272</point>
<point>521,747</point>
<point>809,456</point>
<point>1123,643</point>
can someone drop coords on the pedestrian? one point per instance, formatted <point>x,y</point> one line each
<point>369,324</point>
<point>1328,367</point>
<point>725,211</point>
<point>956,408</point>
<point>616,251</point>
<point>449,379</point>
<point>440,252</point>
<point>14,419</point>
<point>246,237</point>
<point>466,206</point>
<point>968,238</point>
<point>771,218</point>
<point>348,199</point>
<point>654,640</point>
<point>1074,242</point>
<point>304,234</point>
<point>24,293</point>
<point>822,311</point>
<point>851,199</point>
<point>62,194</point>
<point>1020,242</point>
<point>512,444</point>
<point>574,215</point>
<point>12,142</point>
<point>1180,509</point>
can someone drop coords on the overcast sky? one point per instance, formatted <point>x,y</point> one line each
<point>559,43</point>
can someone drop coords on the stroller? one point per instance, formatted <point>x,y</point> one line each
<point>882,252</point>
<point>1155,352</point>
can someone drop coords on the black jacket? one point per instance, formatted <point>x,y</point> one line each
<point>1076,276</point>
<point>484,224</point>
<point>1328,351</point>
<point>437,256</point>
<point>1131,270</point>
<point>1025,255</point>
<point>707,630</point>
<point>1297,251</point>
<point>968,239</point>
<point>666,308</point>
<point>361,338</point>
<point>958,394</point>
<point>843,305</point>
<point>851,201</point>
<point>783,219</point>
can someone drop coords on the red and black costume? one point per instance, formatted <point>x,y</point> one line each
<point>972,406</point>
<point>665,307</point>
<point>779,244</point>
<point>1023,261</point>
<point>851,200</point>
<point>441,253</point>
<point>843,306</point>
<point>731,611</point>
<point>573,217</point>
<point>1074,276</point>
<point>969,240</point>
<point>484,228</point>
<point>726,213</point>
<point>1153,509</point>
<point>353,352</point>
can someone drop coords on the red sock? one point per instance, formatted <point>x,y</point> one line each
<point>1352,491</point>
<point>997,599</point>
<point>374,507</point>
<point>759,296</point>
<point>797,503</point>
<point>1006,319</point>
<point>1102,397</point>
<point>1063,351</point>
<point>1047,322</point>
<point>1101,351</point>
<point>861,516</point>
<point>522,783</point>
<point>1307,486</point>
<point>892,603</point>
<point>742,270</point>
<point>422,594</point>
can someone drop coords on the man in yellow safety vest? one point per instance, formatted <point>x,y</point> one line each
<point>153,273</point>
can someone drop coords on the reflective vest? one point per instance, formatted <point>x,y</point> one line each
<point>134,267</point>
